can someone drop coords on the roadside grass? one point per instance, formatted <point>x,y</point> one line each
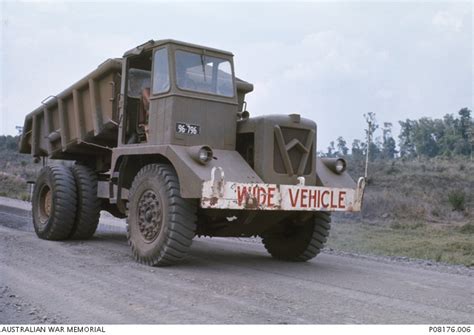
<point>13,186</point>
<point>429,190</point>
<point>453,243</point>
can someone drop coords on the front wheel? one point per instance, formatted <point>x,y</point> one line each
<point>298,242</point>
<point>160,224</point>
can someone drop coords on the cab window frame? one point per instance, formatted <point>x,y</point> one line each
<point>200,53</point>
<point>169,63</point>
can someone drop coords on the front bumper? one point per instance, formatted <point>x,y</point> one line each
<point>220,194</point>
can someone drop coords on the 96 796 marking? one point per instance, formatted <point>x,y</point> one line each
<point>188,129</point>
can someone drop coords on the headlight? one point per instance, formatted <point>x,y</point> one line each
<point>336,165</point>
<point>201,153</point>
<point>205,155</point>
<point>340,166</point>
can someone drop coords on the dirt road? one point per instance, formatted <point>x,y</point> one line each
<point>222,281</point>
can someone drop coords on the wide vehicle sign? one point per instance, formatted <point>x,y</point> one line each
<point>231,195</point>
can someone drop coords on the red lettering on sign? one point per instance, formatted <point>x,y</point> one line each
<point>256,193</point>
<point>242,194</point>
<point>303,198</point>
<point>313,195</point>
<point>323,195</point>
<point>294,200</point>
<point>262,197</point>
<point>333,201</point>
<point>342,196</point>
<point>270,196</point>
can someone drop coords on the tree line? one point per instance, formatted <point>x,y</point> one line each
<point>453,135</point>
<point>425,137</point>
<point>8,142</point>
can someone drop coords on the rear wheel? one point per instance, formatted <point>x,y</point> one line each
<point>160,224</point>
<point>88,205</point>
<point>54,203</point>
<point>298,242</point>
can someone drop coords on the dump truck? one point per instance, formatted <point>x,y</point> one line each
<point>162,137</point>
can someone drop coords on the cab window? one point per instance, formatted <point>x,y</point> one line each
<point>201,73</point>
<point>161,77</point>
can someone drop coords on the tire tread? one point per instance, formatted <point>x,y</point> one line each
<point>88,205</point>
<point>181,226</point>
<point>62,185</point>
<point>308,246</point>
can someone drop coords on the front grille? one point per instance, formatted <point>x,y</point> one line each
<point>293,150</point>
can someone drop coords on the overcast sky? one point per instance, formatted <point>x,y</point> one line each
<point>329,61</point>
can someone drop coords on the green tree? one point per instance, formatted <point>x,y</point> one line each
<point>372,126</point>
<point>406,143</point>
<point>9,142</point>
<point>388,145</point>
<point>450,136</point>
<point>464,122</point>
<point>331,150</point>
<point>426,137</point>
<point>375,151</point>
<point>358,149</point>
<point>471,140</point>
<point>342,146</point>
<point>463,146</point>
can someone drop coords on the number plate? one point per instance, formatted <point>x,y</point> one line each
<point>187,129</point>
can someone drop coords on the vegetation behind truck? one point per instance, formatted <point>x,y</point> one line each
<point>162,137</point>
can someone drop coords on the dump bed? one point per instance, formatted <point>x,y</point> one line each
<point>80,121</point>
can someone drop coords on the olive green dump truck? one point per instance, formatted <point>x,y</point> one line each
<point>162,137</point>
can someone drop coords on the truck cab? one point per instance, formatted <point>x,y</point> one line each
<point>178,93</point>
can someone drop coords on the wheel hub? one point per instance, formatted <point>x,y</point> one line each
<point>45,204</point>
<point>149,216</point>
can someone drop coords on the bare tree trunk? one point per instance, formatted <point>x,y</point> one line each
<point>369,133</point>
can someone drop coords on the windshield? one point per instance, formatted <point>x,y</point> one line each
<point>201,73</point>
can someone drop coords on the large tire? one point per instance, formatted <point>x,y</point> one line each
<point>298,243</point>
<point>160,225</point>
<point>88,205</point>
<point>54,203</point>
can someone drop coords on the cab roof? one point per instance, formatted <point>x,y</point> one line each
<point>152,44</point>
